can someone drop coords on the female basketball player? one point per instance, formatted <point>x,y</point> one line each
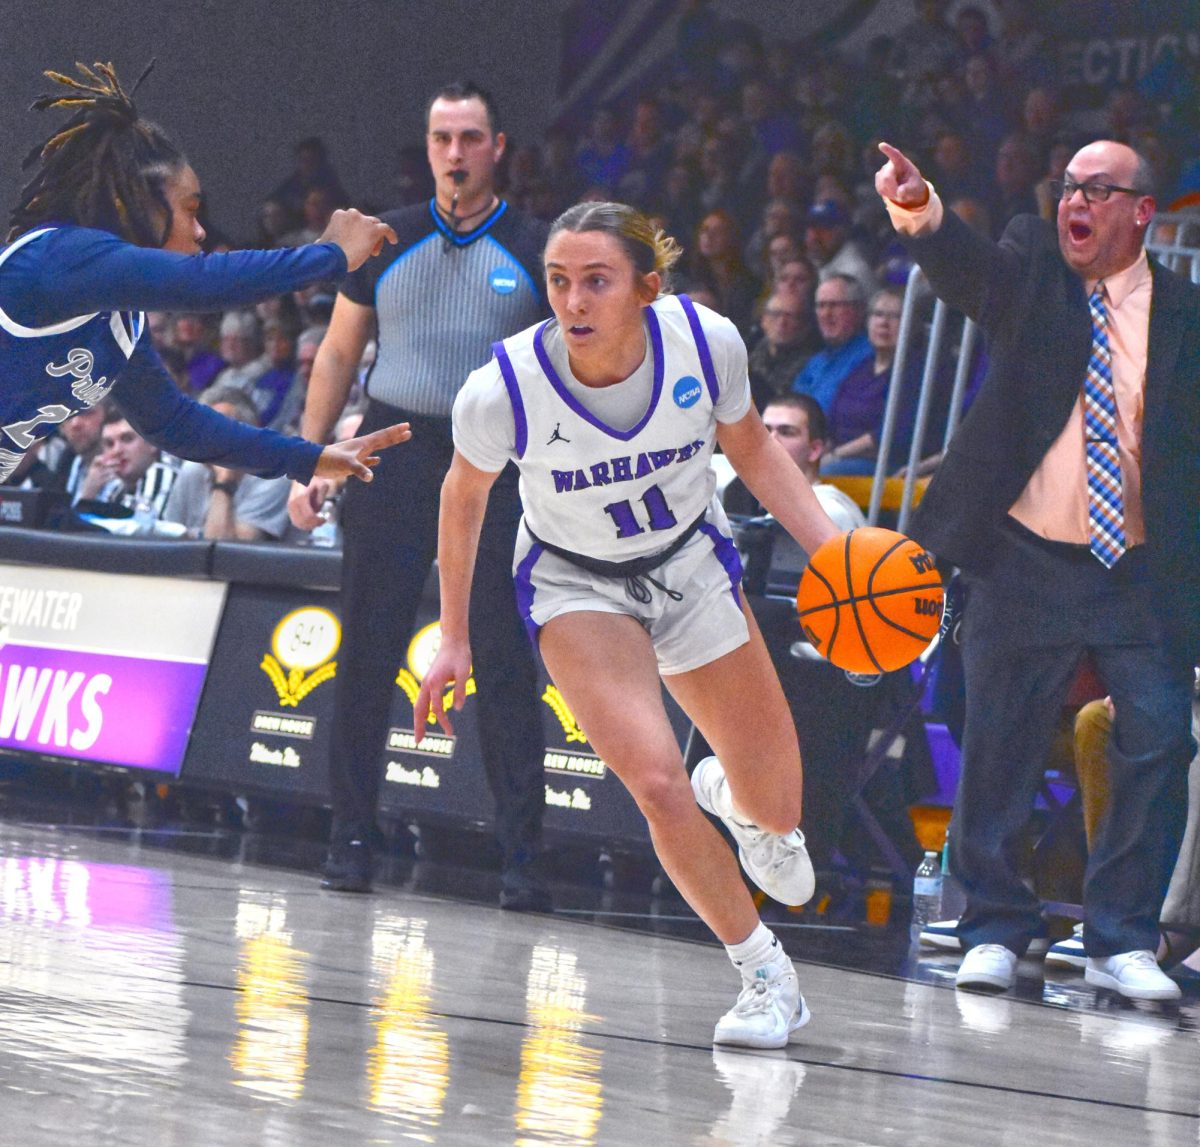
<point>625,571</point>
<point>107,228</point>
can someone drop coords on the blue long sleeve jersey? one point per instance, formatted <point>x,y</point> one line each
<point>72,328</point>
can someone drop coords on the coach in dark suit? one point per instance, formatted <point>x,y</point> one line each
<point>1069,497</point>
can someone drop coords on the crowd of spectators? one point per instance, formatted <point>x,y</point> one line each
<point>758,154</point>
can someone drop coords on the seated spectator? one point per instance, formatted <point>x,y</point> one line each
<point>82,434</point>
<point>828,244</point>
<point>840,314</point>
<point>788,341</point>
<point>602,158</point>
<point>718,265</point>
<point>287,418</point>
<point>926,46</point>
<point>316,211</point>
<point>220,504</point>
<point>649,156</point>
<point>313,169</point>
<point>133,469</point>
<point>797,277</point>
<point>781,219</point>
<point>193,337</point>
<point>275,221</point>
<point>798,424</point>
<point>269,392</point>
<point>241,348</point>
<point>856,413</point>
<point>1017,172</point>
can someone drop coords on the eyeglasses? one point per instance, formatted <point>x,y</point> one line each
<point>829,304</point>
<point>1092,192</point>
<point>886,315</point>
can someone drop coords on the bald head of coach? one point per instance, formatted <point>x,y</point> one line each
<point>1068,497</point>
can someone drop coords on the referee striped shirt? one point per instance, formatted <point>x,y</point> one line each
<point>441,299</point>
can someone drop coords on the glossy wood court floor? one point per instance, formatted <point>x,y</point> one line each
<point>178,989</point>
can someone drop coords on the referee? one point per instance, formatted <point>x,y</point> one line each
<point>466,271</point>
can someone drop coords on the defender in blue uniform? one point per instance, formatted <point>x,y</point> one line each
<point>107,228</point>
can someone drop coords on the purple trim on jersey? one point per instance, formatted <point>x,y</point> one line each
<point>727,555</point>
<point>523,584</point>
<point>706,362</point>
<point>656,347</point>
<point>514,396</point>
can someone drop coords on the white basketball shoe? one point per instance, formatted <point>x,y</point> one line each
<point>779,865</point>
<point>769,1010</point>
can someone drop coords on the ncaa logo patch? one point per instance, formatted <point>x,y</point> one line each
<point>503,280</point>
<point>687,392</point>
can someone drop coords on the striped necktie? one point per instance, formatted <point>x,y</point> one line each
<point>1106,510</point>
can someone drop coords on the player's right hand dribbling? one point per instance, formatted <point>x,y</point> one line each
<point>359,236</point>
<point>451,666</point>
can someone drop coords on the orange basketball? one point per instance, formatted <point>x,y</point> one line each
<point>870,600</point>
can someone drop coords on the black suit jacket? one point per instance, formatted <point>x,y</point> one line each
<point>1033,311</point>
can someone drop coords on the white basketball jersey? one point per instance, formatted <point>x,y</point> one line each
<point>606,493</point>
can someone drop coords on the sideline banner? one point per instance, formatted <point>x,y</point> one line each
<point>103,667</point>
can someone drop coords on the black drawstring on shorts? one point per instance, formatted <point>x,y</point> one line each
<point>636,589</point>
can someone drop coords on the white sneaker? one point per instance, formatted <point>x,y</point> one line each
<point>1068,953</point>
<point>944,934</point>
<point>1135,975</point>
<point>779,865</point>
<point>769,1010</point>
<point>987,966</point>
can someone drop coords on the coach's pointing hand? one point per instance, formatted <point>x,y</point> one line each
<point>899,180</point>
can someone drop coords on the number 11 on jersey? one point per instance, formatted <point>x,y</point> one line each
<point>658,514</point>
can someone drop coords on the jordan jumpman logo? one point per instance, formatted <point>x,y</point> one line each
<point>556,437</point>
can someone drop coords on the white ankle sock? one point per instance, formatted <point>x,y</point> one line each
<point>758,950</point>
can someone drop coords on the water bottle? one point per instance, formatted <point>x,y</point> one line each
<point>327,534</point>
<point>144,516</point>
<point>927,892</point>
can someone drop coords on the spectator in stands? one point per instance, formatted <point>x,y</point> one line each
<point>193,336</point>
<point>649,148</point>
<point>1056,165</point>
<point>718,265</point>
<point>720,188</point>
<point>287,418</point>
<point>781,218</point>
<point>788,178</point>
<point>313,169</point>
<point>856,413</point>
<point>956,173</point>
<point>81,477</point>
<point>220,504</point>
<point>989,117</point>
<point>603,157</point>
<point>925,47</point>
<point>272,387</point>
<point>840,312</point>
<point>1041,120</point>
<point>771,128</point>
<point>241,348</point>
<point>1017,174</point>
<point>797,423</point>
<point>828,244</point>
<point>971,28</point>
<point>133,468</point>
<point>1020,49</point>
<point>276,220</point>
<point>319,205</point>
<point>788,341</point>
<point>799,277</point>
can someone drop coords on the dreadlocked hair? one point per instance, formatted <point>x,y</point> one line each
<point>105,167</point>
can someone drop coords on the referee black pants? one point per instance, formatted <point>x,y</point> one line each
<point>389,542</point>
<point>1026,624</point>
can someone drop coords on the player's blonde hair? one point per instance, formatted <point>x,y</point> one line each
<point>648,246</point>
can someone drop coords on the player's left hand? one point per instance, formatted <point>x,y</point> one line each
<point>357,455</point>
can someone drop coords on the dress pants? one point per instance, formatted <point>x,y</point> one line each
<point>390,540</point>
<point>1027,622</point>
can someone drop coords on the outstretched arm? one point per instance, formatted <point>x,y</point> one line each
<point>775,480</point>
<point>464,500</point>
